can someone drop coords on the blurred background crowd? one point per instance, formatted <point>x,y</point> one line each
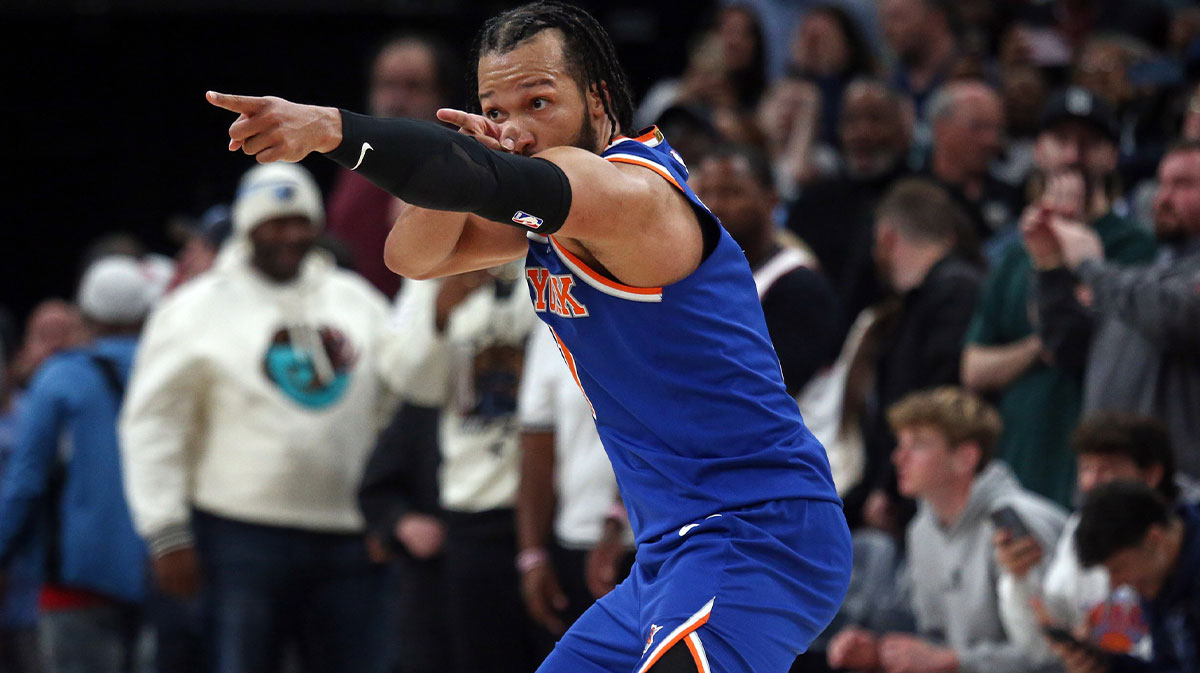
<point>231,440</point>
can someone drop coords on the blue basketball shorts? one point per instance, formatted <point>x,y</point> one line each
<point>745,591</point>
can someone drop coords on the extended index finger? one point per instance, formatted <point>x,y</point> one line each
<point>233,103</point>
<point>457,117</point>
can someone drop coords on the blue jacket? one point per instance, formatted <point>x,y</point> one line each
<point>1174,615</point>
<point>19,604</point>
<point>69,417</point>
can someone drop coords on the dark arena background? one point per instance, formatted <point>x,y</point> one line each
<point>107,128</point>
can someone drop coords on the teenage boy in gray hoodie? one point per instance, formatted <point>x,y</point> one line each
<point>945,442</point>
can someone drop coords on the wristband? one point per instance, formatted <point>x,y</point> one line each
<point>616,512</point>
<point>528,559</point>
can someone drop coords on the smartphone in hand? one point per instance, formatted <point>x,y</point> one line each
<point>1065,637</point>
<point>1007,519</point>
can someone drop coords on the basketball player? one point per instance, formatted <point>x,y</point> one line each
<point>743,552</point>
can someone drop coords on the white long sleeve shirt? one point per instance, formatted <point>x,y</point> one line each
<point>470,371</point>
<point>256,401</point>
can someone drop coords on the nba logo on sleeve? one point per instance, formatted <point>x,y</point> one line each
<point>526,220</point>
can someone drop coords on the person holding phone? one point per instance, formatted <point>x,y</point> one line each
<point>1143,541</point>
<point>1076,606</point>
<point>946,441</point>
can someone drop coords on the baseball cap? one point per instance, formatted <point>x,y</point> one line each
<point>1075,102</point>
<point>116,290</point>
<point>276,190</point>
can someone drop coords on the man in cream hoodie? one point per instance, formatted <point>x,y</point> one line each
<point>256,394</point>
<point>945,440</point>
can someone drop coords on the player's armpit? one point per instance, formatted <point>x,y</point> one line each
<point>634,220</point>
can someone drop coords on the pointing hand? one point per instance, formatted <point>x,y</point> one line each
<point>273,129</point>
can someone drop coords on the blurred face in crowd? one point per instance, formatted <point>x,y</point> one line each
<point>1146,566</point>
<point>404,82</point>
<point>1023,90</point>
<point>728,187</point>
<point>737,32</point>
<point>1098,469</point>
<point>971,134</point>
<point>530,88</point>
<point>1077,145</point>
<point>1101,69</point>
<point>1177,203</point>
<point>872,129</point>
<point>820,46</point>
<point>1191,117</point>
<point>926,463</point>
<point>706,78</point>
<point>905,24</point>
<point>281,244</point>
<point>781,106</point>
<point>53,326</point>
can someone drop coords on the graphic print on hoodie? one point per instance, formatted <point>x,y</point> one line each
<point>311,365</point>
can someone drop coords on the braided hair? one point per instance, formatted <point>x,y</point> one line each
<point>588,52</point>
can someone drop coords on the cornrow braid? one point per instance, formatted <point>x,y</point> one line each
<point>587,50</point>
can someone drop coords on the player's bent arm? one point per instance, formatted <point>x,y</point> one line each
<point>625,215</point>
<point>427,243</point>
<point>640,227</point>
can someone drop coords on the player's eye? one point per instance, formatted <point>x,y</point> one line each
<point>539,103</point>
<point>491,114</point>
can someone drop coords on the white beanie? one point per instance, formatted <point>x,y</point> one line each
<point>276,190</point>
<point>117,290</point>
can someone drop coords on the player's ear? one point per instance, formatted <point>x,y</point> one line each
<point>596,96</point>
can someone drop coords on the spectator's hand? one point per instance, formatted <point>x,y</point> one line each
<point>880,512</point>
<point>1016,555</point>
<point>854,649</point>
<point>1066,195</point>
<point>486,131</point>
<point>905,653</point>
<point>1040,241</point>
<point>421,534</point>
<point>273,129</point>
<point>1078,660</point>
<point>601,566</point>
<point>1078,242</point>
<point>178,572</point>
<point>453,291</point>
<point>544,598</point>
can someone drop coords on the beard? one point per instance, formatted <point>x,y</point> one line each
<point>586,138</point>
<point>1168,226</point>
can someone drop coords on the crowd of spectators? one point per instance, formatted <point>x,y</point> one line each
<point>975,231</point>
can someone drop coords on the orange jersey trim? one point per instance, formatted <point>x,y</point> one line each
<point>698,654</point>
<point>570,360</point>
<point>645,291</point>
<point>662,648</point>
<point>627,159</point>
<point>650,135</point>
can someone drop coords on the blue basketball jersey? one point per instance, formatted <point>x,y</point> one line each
<point>683,381</point>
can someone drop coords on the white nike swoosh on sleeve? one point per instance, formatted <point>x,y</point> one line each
<point>361,155</point>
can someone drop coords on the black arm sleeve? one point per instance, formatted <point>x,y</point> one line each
<point>433,167</point>
<point>1064,325</point>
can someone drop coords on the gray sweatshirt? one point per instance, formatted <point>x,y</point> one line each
<point>1145,344</point>
<point>954,596</point>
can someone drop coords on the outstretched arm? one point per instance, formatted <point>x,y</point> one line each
<point>437,169</point>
